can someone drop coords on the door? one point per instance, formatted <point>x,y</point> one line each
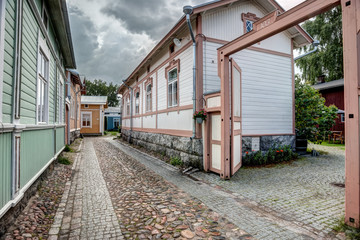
<point>215,142</point>
<point>236,139</point>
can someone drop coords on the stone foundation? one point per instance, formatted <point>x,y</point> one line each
<point>10,216</point>
<point>266,142</point>
<point>74,135</point>
<point>189,151</point>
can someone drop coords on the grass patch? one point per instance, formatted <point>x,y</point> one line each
<point>339,145</point>
<point>175,161</point>
<point>63,160</point>
<point>350,232</point>
<point>67,148</point>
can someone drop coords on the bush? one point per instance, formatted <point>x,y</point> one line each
<point>175,161</point>
<point>63,160</point>
<point>274,155</point>
<point>67,148</point>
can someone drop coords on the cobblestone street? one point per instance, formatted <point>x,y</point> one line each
<point>118,192</point>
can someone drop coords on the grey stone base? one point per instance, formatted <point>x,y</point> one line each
<point>189,151</point>
<point>266,142</point>
<point>74,135</point>
<point>10,216</point>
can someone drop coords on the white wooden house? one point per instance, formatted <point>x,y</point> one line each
<point>160,89</point>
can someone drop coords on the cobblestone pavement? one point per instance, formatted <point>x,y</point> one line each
<point>301,191</point>
<point>294,201</point>
<point>149,207</point>
<point>88,211</point>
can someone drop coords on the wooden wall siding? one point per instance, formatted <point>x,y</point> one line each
<point>226,24</point>
<point>185,84</point>
<point>37,149</point>
<point>29,67</point>
<point>181,120</point>
<point>8,60</point>
<point>60,138</point>
<point>5,169</point>
<point>149,121</point>
<point>38,4</point>
<point>162,88</point>
<point>211,80</point>
<point>266,93</point>
<point>52,92</point>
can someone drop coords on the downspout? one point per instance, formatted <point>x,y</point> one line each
<point>188,10</point>
<point>315,44</point>
<point>131,109</point>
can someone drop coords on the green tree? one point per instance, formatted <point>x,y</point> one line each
<point>328,60</point>
<point>102,88</point>
<point>313,119</point>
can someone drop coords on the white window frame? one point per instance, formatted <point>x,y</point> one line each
<point>148,97</point>
<point>82,116</point>
<point>137,103</point>
<point>2,49</point>
<point>342,117</point>
<point>61,99</point>
<point>172,83</point>
<point>128,106</point>
<point>116,120</point>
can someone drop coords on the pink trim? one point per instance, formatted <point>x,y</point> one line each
<point>293,84</point>
<point>248,16</point>
<point>199,72</point>
<point>174,109</point>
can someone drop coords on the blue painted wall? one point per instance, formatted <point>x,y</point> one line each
<point>110,123</point>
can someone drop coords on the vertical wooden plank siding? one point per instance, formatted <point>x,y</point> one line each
<point>28,67</point>
<point>60,138</point>
<point>5,169</point>
<point>9,45</point>
<point>36,149</point>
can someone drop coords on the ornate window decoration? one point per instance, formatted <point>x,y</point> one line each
<point>172,76</point>
<point>248,20</point>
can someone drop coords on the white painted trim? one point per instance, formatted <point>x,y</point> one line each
<point>2,49</point>
<point>22,191</point>
<point>82,119</point>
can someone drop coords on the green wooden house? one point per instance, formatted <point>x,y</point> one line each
<point>35,50</point>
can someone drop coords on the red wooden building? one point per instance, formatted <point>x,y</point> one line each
<point>333,92</point>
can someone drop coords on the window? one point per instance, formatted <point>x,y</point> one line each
<point>128,105</point>
<point>248,20</point>
<point>116,123</point>
<point>86,119</point>
<point>61,102</point>
<point>342,117</point>
<point>86,106</point>
<point>42,88</point>
<point>72,105</point>
<point>148,69</point>
<point>137,102</point>
<point>148,97</point>
<point>249,25</point>
<point>172,87</point>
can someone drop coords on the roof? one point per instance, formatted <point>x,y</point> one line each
<point>329,85</point>
<point>113,109</point>
<point>300,36</point>
<point>99,100</point>
<point>60,19</point>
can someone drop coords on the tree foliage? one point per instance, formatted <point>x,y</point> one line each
<point>102,88</point>
<point>328,60</point>
<point>313,119</point>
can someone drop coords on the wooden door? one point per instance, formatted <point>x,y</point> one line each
<point>215,141</point>
<point>236,139</point>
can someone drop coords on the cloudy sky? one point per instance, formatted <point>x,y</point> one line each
<point>111,37</point>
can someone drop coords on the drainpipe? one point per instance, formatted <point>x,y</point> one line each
<point>315,44</point>
<point>131,109</point>
<point>188,10</point>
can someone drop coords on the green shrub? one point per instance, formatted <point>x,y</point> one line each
<point>105,133</point>
<point>67,148</point>
<point>63,160</point>
<point>113,133</point>
<point>175,161</point>
<point>273,155</point>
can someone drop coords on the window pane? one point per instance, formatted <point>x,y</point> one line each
<point>173,75</point>
<point>249,25</point>
<point>175,93</point>
<point>170,95</point>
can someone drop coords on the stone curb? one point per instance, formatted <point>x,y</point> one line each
<point>55,227</point>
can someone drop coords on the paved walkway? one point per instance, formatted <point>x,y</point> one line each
<point>261,221</point>
<point>88,212</point>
